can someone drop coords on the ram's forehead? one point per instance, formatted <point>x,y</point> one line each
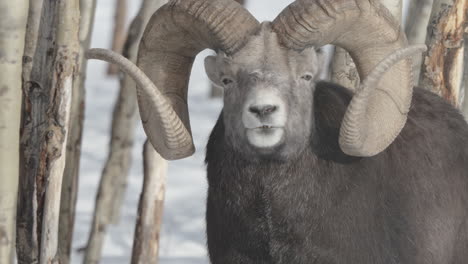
<point>263,52</point>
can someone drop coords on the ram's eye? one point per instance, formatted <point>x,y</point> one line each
<point>307,77</point>
<point>226,81</point>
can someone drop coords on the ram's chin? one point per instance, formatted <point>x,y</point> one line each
<point>265,138</point>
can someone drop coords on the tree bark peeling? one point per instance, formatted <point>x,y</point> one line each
<point>63,76</point>
<point>50,68</point>
<point>443,65</point>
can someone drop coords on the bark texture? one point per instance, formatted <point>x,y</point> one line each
<point>416,29</point>
<point>63,77</point>
<point>71,174</point>
<point>342,68</point>
<point>27,224</point>
<point>114,177</point>
<point>442,71</point>
<point>150,208</point>
<point>120,35</point>
<point>50,68</point>
<point>13,18</point>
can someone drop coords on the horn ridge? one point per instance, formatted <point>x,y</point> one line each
<point>367,30</point>
<point>174,36</point>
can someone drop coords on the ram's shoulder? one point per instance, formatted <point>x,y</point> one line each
<point>433,119</point>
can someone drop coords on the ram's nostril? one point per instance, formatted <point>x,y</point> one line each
<point>270,109</point>
<point>263,110</point>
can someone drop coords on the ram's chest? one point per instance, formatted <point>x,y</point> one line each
<point>264,205</point>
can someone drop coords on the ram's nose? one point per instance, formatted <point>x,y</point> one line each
<point>263,110</point>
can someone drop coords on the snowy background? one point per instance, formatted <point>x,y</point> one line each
<point>183,232</point>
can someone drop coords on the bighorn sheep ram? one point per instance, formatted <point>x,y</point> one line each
<point>302,171</point>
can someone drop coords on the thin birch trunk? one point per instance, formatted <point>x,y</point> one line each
<point>114,177</point>
<point>50,66</point>
<point>150,208</point>
<point>120,35</point>
<point>442,71</point>
<point>416,30</point>
<point>215,91</point>
<point>71,174</point>
<point>63,78</point>
<point>27,245</point>
<point>342,68</point>
<point>13,18</point>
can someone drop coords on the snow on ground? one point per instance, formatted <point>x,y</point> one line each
<point>183,233</point>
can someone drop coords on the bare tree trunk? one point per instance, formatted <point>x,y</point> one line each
<point>114,177</point>
<point>343,70</point>
<point>13,18</point>
<point>215,91</point>
<point>27,245</point>
<point>442,71</point>
<point>150,208</point>
<point>465,76</point>
<point>119,32</point>
<point>63,77</point>
<point>47,87</point>
<point>71,174</point>
<point>416,29</point>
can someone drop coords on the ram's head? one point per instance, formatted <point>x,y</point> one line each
<point>268,70</point>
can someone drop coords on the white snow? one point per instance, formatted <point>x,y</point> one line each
<point>183,233</point>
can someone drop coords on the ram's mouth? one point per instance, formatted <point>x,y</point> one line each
<point>265,136</point>
<point>265,127</point>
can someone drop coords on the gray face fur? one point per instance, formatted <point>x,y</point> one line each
<point>267,95</point>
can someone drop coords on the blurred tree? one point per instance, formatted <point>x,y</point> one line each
<point>465,76</point>
<point>416,29</point>
<point>13,16</point>
<point>114,175</point>
<point>150,208</point>
<point>119,35</point>
<point>72,166</point>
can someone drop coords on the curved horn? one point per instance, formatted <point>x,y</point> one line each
<point>369,33</point>
<point>176,33</point>
<point>351,133</point>
<point>171,126</point>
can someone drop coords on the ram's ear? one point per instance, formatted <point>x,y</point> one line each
<point>219,67</point>
<point>213,70</point>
